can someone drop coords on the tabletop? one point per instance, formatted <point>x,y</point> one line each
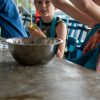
<point>58,80</point>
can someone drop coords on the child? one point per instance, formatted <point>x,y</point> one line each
<point>49,25</point>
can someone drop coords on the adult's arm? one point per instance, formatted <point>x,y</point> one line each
<point>70,9</point>
<point>90,7</point>
<point>10,21</point>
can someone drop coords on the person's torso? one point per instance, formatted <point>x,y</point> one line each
<point>48,27</point>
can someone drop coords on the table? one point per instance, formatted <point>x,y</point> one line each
<point>58,80</point>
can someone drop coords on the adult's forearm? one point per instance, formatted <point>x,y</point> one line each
<point>58,3</point>
<point>73,11</point>
<point>90,7</point>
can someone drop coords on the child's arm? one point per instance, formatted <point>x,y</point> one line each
<point>61,31</point>
<point>35,31</point>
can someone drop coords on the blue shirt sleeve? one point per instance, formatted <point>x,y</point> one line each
<point>10,21</point>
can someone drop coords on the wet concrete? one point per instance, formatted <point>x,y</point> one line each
<point>58,80</point>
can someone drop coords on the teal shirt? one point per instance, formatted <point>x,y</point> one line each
<point>49,29</point>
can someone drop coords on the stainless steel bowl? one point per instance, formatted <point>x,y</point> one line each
<point>37,51</point>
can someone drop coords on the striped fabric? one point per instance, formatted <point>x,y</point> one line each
<point>76,35</point>
<point>77,30</point>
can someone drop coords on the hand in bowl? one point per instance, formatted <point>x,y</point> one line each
<point>35,31</point>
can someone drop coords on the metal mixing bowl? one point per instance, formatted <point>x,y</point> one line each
<point>35,51</point>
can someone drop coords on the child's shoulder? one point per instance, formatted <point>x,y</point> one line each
<point>59,20</point>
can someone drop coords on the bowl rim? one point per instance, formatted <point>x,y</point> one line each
<point>8,41</point>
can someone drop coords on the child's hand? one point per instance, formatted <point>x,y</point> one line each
<point>35,31</point>
<point>33,26</point>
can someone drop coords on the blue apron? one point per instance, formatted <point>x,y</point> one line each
<point>10,22</point>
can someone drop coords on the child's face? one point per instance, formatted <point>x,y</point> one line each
<point>44,7</point>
